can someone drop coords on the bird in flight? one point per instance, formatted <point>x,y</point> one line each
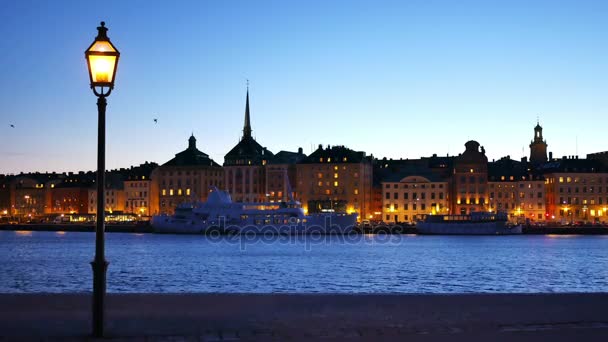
<point>155,120</point>
<point>12,126</point>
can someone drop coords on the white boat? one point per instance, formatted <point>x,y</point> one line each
<point>477,223</point>
<point>219,214</point>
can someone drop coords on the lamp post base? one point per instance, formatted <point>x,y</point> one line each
<point>100,268</point>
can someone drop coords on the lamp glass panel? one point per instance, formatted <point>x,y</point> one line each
<point>102,46</point>
<point>102,68</point>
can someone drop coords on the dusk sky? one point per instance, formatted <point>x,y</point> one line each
<point>400,79</point>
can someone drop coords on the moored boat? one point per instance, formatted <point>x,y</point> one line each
<point>220,214</point>
<point>476,223</point>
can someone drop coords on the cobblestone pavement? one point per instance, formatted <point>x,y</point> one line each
<point>244,317</point>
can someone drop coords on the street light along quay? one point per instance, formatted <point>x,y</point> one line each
<point>102,60</point>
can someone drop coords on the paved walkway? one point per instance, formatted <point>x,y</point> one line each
<point>234,317</point>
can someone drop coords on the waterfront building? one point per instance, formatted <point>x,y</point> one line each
<point>114,193</point>
<point>141,192</point>
<point>411,195</point>
<point>336,178</point>
<point>244,166</point>
<point>71,195</point>
<point>517,189</point>
<point>538,147</point>
<point>31,194</point>
<point>281,176</point>
<point>5,196</point>
<point>186,178</point>
<point>469,188</point>
<point>576,190</point>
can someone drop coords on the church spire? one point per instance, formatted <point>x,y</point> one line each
<point>247,126</point>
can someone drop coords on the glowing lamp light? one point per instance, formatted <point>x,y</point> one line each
<point>102,59</point>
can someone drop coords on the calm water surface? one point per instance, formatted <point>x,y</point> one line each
<point>59,262</point>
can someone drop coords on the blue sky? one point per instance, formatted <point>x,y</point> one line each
<point>399,79</point>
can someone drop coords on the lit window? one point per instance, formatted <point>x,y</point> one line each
<point>471,171</point>
<point>356,191</point>
<point>187,192</point>
<point>329,160</point>
<point>170,192</point>
<point>336,183</point>
<point>164,192</point>
<point>561,179</point>
<point>335,175</point>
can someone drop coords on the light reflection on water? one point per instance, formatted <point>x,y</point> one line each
<point>59,262</point>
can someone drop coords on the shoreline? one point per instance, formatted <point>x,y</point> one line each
<point>146,228</point>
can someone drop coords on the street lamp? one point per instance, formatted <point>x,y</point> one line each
<point>102,61</point>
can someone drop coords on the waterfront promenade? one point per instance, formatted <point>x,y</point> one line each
<point>269,317</point>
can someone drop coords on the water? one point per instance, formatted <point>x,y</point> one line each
<point>59,262</point>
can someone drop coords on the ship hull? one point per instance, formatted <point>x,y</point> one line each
<point>467,228</point>
<point>315,224</point>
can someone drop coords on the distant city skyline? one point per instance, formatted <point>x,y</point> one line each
<point>393,79</point>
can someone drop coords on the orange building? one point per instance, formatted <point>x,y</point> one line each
<point>336,178</point>
<point>517,189</point>
<point>469,186</point>
<point>141,193</point>
<point>576,190</point>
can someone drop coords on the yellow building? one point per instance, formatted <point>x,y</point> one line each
<point>470,181</point>
<point>141,193</point>
<point>516,189</point>
<point>412,197</point>
<point>336,178</point>
<point>577,191</point>
<point>186,178</point>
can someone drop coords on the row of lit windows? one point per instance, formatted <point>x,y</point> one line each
<point>521,185</point>
<point>579,179</point>
<point>472,201</point>
<point>415,206</point>
<point>583,213</point>
<point>329,159</point>
<point>329,192</point>
<point>414,195</point>
<point>413,186</point>
<point>179,192</point>
<point>577,200</point>
<point>530,206</point>
<point>133,204</point>
<point>336,175</point>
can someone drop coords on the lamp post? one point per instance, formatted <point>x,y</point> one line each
<point>102,60</point>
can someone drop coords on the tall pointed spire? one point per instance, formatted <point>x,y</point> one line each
<point>247,126</point>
